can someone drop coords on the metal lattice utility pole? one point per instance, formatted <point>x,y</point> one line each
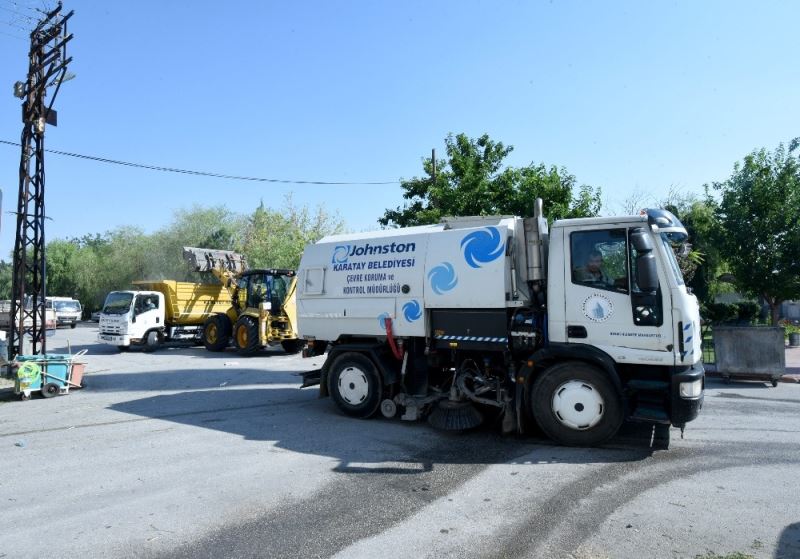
<point>47,67</point>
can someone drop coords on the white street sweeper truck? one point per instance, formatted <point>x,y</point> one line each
<point>576,327</point>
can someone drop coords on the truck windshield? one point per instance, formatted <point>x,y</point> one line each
<point>117,303</point>
<point>67,306</point>
<point>673,262</point>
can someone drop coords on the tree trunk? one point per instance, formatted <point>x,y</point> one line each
<point>775,310</point>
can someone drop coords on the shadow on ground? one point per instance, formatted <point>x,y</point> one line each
<point>259,406</point>
<point>789,542</point>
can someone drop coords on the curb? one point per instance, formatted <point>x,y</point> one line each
<point>791,378</point>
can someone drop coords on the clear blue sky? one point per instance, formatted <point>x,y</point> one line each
<point>627,95</point>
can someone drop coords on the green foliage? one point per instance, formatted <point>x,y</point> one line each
<point>719,313</point>
<point>747,311</point>
<point>472,180</point>
<point>699,259</point>
<point>89,267</point>
<point>759,225</point>
<point>6,273</point>
<point>276,239</point>
<point>733,555</point>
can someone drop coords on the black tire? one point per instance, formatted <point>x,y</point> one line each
<point>50,389</point>
<point>73,325</point>
<point>292,346</point>
<point>217,332</point>
<point>576,404</point>
<point>151,341</point>
<point>355,385</point>
<point>245,336</point>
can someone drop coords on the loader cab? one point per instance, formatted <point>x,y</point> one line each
<point>256,287</point>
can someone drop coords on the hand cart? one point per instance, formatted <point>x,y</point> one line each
<point>53,374</point>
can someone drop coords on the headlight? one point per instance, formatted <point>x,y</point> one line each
<point>692,389</point>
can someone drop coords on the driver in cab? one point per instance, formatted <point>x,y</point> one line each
<point>592,271</point>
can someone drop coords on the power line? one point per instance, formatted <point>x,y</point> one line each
<point>204,173</point>
<point>15,26</point>
<point>13,36</point>
<point>19,15</point>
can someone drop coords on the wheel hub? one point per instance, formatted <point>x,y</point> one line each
<point>578,405</point>
<point>353,385</point>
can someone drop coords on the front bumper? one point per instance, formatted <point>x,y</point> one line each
<point>114,339</point>
<point>683,410</point>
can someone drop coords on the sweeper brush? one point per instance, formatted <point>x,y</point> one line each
<point>455,416</point>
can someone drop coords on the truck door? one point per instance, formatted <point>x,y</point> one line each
<point>606,308</point>
<point>147,311</point>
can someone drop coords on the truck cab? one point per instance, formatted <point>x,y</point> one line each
<point>68,310</point>
<point>636,312</point>
<point>132,318</point>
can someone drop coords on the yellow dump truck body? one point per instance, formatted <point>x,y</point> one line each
<point>189,304</point>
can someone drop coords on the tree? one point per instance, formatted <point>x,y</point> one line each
<point>759,215</point>
<point>61,273</point>
<point>6,273</point>
<point>472,180</point>
<point>276,239</point>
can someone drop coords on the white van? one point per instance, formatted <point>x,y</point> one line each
<point>68,310</point>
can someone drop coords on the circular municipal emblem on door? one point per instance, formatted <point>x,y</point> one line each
<point>598,308</point>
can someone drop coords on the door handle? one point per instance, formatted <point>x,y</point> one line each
<point>576,332</point>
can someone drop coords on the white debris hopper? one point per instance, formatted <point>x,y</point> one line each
<point>350,284</point>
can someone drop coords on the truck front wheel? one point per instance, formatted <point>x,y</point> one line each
<point>245,336</point>
<point>216,332</point>
<point>355,385</point>
<point>151,341</point>
<point>576,404</point>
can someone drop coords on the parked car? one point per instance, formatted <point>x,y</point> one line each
<point>95,316</point>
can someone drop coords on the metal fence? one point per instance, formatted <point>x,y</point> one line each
<point>707,346</point>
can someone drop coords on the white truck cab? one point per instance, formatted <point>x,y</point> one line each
<point>131,317</point>
<point>68,310</point>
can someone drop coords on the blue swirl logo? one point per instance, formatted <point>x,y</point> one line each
<point>482,247</point>
<point>340,254</point>
<point>443,278</point>
<point>382,320</point>
<point>412,311</point>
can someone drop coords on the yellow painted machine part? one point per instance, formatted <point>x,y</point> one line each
<point>189,303</point>
<point>290,306</point>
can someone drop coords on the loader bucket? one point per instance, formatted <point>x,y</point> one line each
<point>205,260</point>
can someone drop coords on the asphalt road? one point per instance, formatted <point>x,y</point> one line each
<point>184,453</point>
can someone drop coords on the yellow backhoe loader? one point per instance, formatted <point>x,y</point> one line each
<point>263,310</point>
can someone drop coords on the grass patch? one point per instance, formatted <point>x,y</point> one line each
<point>734,555</point>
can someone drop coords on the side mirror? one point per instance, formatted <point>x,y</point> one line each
<point>646,274</point>
<point>641,240</point>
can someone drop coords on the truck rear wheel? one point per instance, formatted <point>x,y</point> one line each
<point>216,332</point>
<point>245,336</point>
<point>355,385</point>
<point>576,404</point>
